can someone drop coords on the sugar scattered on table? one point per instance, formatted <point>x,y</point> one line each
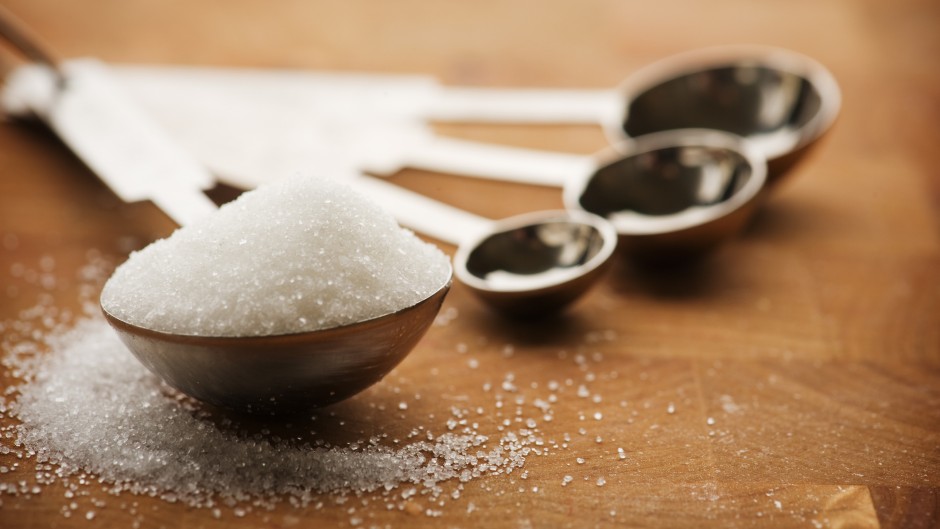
<point>90,407</point>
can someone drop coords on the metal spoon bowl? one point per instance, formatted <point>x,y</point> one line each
<point>781,101</point>
<point>673,194</point>
<point>282,373</point>
<point>536,263</point>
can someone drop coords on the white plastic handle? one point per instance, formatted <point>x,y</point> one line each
<point>512,105</point>
<point>398,95</point>
<point>115,138</point>
<point>422,214</point>
<point>184,205</point>
<point>497,162</point>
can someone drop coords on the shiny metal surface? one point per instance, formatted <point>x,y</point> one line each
<point>674,194</point>
<point>286,373</point>
<point>780,100</point>
<point>537,263</point>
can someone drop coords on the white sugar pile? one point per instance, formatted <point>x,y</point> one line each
<point>302,254</point>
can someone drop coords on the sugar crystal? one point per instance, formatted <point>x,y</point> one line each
<point>298,255</point>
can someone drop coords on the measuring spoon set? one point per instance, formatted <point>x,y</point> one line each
<point>696,141</point>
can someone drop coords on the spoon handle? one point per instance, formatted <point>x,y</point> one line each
<point>497,162</point>
<point>115,139</point>
<point>422,214</point>
<point>494,105</point>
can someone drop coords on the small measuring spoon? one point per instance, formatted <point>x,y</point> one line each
<point>673,194</point>
<point>526,265</point>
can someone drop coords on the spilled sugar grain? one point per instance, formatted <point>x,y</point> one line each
<point>298,255</point>
<point>88,406</point>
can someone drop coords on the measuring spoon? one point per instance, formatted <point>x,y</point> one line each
<point>285,372</point>
<point>526,265</point>
<point>670,194</point>
<point>779,100</point>
<point>673,194</point>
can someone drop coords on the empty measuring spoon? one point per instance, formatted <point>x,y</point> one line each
<point>670,194</point>
<point>779,100</point>
<point>527,265</point>
<point>673,194</point>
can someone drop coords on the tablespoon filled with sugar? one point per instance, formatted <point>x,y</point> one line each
<point>527,265</point>
<point>297,294</point>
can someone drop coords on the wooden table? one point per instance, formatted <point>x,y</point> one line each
<point>791,380</point>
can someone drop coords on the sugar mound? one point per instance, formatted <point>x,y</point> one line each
<point>299,255</point>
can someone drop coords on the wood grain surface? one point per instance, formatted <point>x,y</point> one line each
<point>790,380</point>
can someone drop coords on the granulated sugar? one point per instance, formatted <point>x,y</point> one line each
<point>88,406</point>
<point>300,255</point>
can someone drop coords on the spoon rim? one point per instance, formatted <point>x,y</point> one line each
<point>603,227</point>
<point>723,56</point>
<point>690,217</point>
<point>272,339</point>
